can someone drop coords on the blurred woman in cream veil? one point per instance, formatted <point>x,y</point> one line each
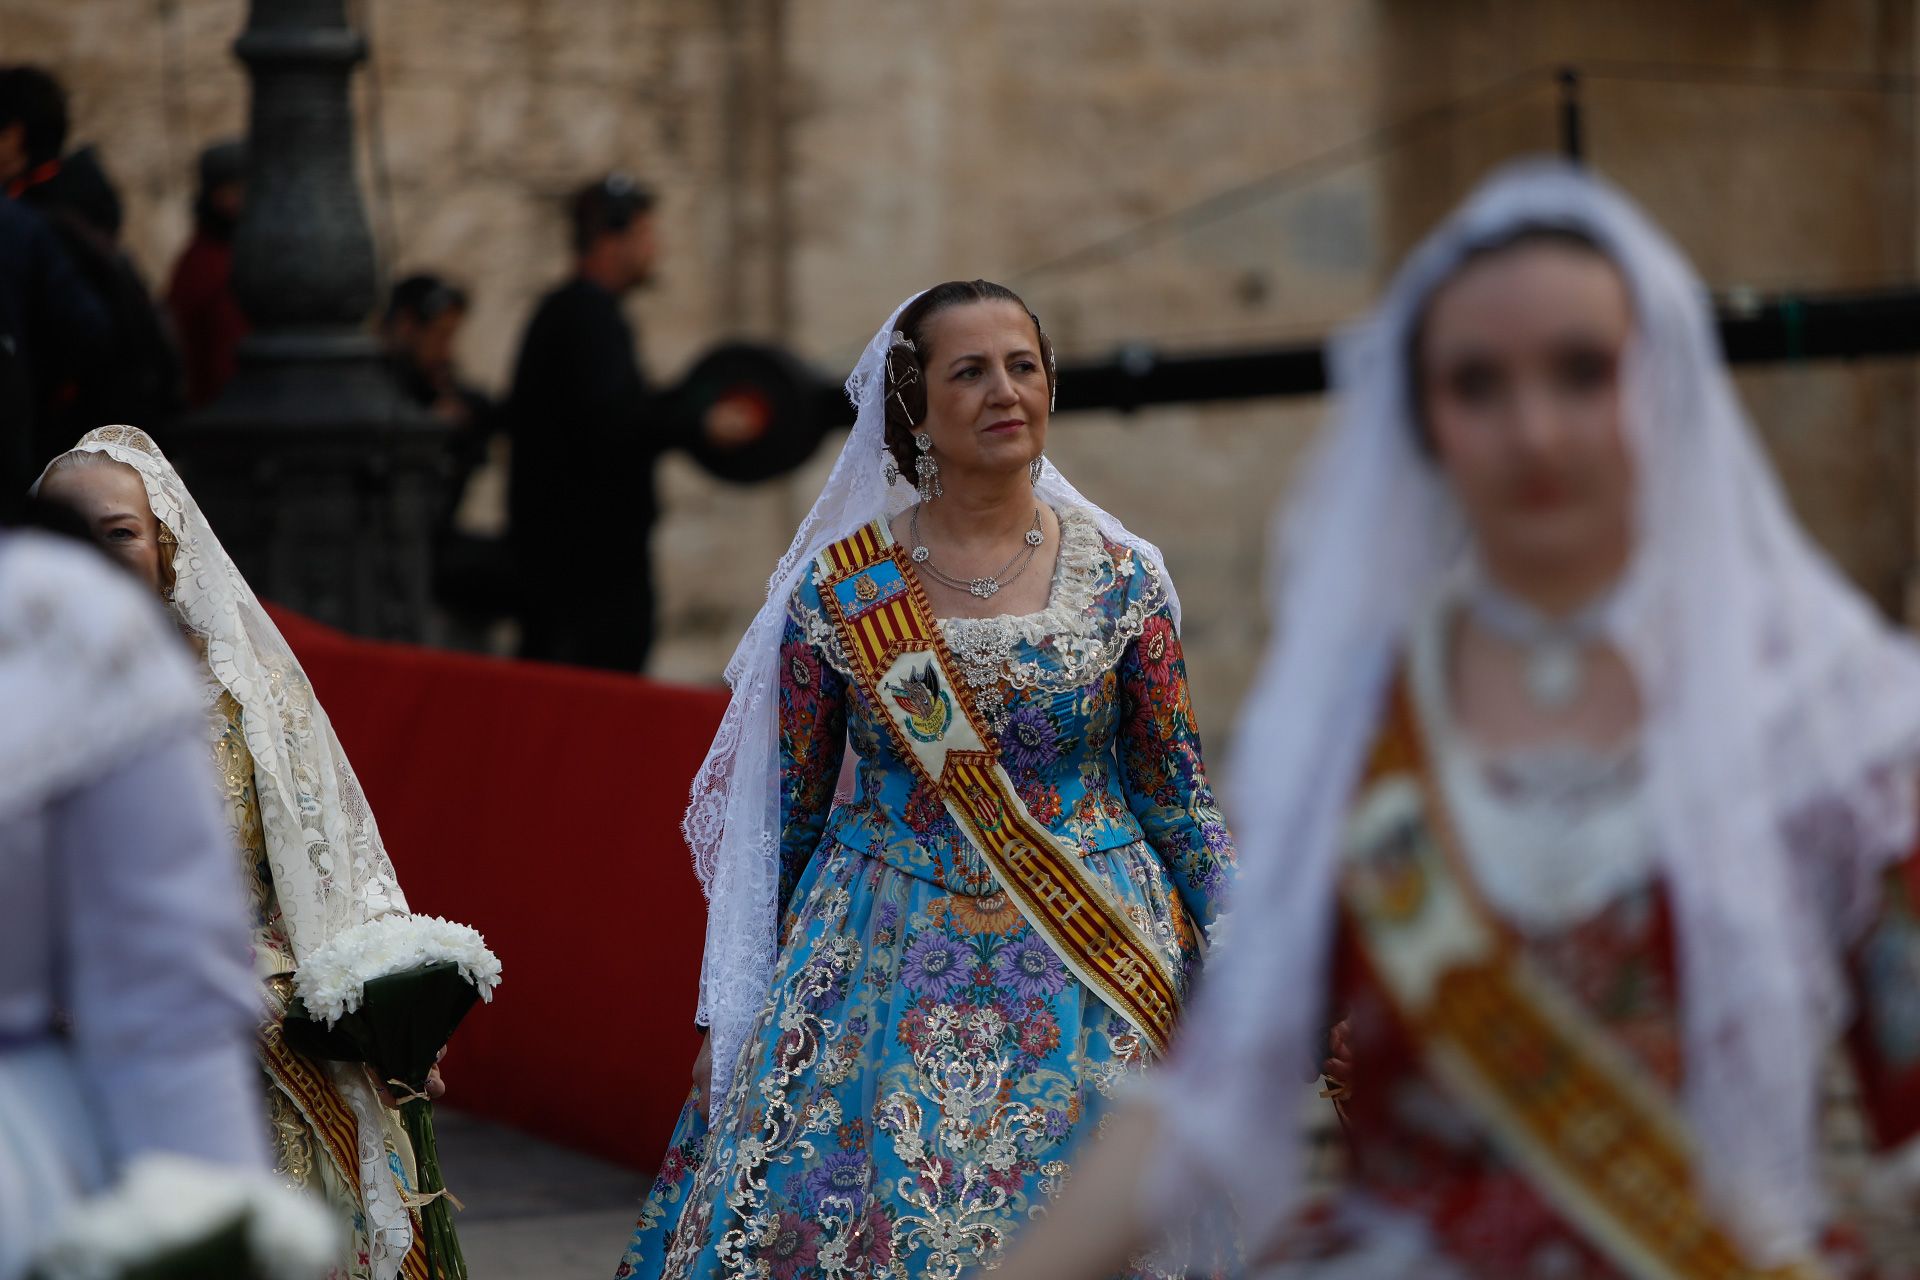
<point>309,850</point>
<point>126,1001</point>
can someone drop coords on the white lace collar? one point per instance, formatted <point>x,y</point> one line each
<point>1553,836</point>
<point>1080,568</point>
<point>1071,640</point>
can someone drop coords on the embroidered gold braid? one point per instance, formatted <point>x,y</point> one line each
<point>306,1086</point>
<point>1070,910</point>
<point>1526,1060</point>
<point>1045,878</point>
<point>292,1139</point>
<point>308,1102</point>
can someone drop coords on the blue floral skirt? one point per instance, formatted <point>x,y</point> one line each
<point>913,1092</point>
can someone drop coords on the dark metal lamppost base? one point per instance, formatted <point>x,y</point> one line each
<point>320,478</point>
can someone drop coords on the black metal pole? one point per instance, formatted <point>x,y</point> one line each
<point>1572,125</point>
<point>321,479</point>
<point>1770,331</point>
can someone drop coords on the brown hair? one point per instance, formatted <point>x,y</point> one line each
<point>906,388</point>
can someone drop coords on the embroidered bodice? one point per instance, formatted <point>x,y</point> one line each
<point>1087,696</point>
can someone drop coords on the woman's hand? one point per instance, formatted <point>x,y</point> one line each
<point>1337,1070</point>
<point>436,1087</point>
<point>703,1077</point>
<point>734,421</point>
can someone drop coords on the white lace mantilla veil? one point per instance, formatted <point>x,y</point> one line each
<point>733,821</point>
<point>1771,688</point>
<point>330,869</point>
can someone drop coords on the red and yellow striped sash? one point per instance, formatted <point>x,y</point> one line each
<point>414,1265</point>
<point>332,1122</point>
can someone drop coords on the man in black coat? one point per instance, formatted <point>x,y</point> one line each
<point>47,313</point>
<point>135,377</point>
<point>586,433</point>
<point>424,316</point>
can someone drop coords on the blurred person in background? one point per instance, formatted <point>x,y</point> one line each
<point>308,848</point>
<point>586,433</point>
<point>474,580</point>
<point>33,128</point>
<point>421,329</point>
<point>126,1000</point>
<point>45,309</point>
<point>136,375</point>
<point>1578,782</point>
<point>207,318</point>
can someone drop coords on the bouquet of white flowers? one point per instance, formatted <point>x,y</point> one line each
<point>390,993</point>
<point>174,1218</point>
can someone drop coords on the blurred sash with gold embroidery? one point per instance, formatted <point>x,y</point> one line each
<point>1598,1135</point>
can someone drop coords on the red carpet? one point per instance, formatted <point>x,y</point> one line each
<point>541,805</point>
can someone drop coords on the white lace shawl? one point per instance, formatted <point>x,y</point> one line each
<point>1769,685</point>
<point>733,820</point>
<point>330,869</point>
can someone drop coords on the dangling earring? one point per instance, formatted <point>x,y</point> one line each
<point>925,468</point>
<point>1034,469</point>
<point>168,546</point>
<point>1053,364</point>
<point>889,469</point>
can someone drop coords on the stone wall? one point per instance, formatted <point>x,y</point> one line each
<point>1774,142</point>
<point>1213,173</point>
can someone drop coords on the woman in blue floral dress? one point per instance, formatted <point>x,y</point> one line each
<point>924,1063</point>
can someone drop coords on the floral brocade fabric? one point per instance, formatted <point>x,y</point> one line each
<point>926,1066</point>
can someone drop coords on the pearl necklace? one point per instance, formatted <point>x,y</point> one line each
<point>988,587</point>
<point>1555,649</point>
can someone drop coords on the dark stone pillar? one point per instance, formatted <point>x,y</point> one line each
<point>319,477</point>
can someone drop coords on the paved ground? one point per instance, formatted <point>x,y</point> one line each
<point>534,1211</point>
<point>541,1212</point>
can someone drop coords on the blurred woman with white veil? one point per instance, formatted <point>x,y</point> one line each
<point>126,1004</point>
<point>1577,781</point>
<point>920,998</point>
<point>311,855</point>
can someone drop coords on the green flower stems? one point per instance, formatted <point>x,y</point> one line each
<point>398,1030</point>
<point>444,1259</point>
